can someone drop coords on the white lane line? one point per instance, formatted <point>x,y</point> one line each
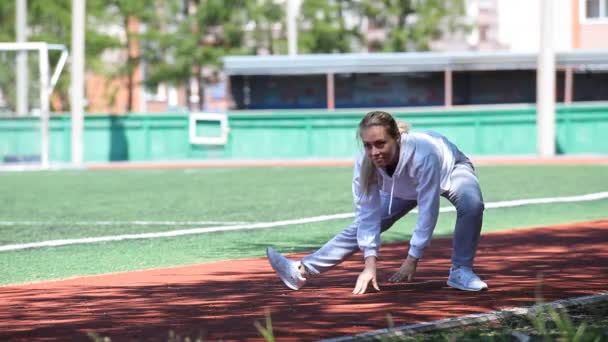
<point>173,233</point>
<point>121,223</point>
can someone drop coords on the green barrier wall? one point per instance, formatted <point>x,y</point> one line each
<point>581,129</point>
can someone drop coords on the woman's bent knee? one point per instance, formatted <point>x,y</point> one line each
<point>471,208</point>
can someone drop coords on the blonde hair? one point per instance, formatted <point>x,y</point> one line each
<point>394,129</point>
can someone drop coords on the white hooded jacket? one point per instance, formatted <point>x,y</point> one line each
<point>426,162</point>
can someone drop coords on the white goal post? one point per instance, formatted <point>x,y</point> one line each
<point>48,79</point>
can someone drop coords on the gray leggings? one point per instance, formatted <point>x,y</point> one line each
<point>464,194</point>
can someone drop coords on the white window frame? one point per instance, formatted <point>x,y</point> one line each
<point>602,19</point>
<point>195,139</point>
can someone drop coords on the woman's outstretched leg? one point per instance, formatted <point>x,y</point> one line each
<point>335,251</point>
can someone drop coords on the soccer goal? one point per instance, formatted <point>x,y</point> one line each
<point>28,74</point>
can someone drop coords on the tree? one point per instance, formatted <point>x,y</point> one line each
<point>129,15</point>
<point>192,44</point>
<point>413,24</point>
<point>7,21</point>
<point>50,21</point>
<point>323,28</point>
<point>266,16</point>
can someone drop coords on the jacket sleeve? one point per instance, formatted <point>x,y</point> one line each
<point>428,177</point>
<point>368,213</point>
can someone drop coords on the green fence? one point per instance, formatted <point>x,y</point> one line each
<point>581,129</point>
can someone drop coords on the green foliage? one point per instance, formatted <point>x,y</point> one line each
<point>408,24</point>
<point>128,15</point>
<point>413,24</point>
<point>186,40</point>
<point>551,323</point>
<point>8,78</point>
<point>172,337</point>
<point>265,16</point>
<point>184,44</point>
<point>97,338</point>
<point>7,21</point>
<point>265,331</point>
<point>51,22</point>
<point>323,28</point>
<point>545,324</point>
<point>175,337</point>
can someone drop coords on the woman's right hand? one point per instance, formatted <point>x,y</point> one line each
<point>368,276</point>
<point>406,271</point>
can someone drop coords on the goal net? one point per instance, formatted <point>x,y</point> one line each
<point>28,75</point>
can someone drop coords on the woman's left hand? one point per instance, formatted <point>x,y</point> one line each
<point>406,271</point>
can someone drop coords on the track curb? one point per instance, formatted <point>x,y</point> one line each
<point>449,323</point>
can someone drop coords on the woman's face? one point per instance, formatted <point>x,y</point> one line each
<point>380,147</point>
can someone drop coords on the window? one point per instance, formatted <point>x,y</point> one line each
<point>595,9</point>
<point>592,9</point>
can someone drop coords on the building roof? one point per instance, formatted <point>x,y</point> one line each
<point>405,62</point>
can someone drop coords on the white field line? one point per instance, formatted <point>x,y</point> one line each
<point>549,200</point>
<point>173,233</point>
<point>119,223</point>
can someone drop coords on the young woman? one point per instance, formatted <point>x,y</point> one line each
<point>399,171</point>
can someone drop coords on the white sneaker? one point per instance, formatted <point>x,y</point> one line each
<point>286,269</point>
<point>464,279</point>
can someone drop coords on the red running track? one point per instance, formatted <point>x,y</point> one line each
<point>223,300</point>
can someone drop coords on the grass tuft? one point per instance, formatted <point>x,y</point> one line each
<point>265,331</point>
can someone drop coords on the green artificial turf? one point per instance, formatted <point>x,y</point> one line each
<point>40,206</point>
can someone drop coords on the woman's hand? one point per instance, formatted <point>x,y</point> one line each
<point>368,275</point>
<point>406,271</point>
